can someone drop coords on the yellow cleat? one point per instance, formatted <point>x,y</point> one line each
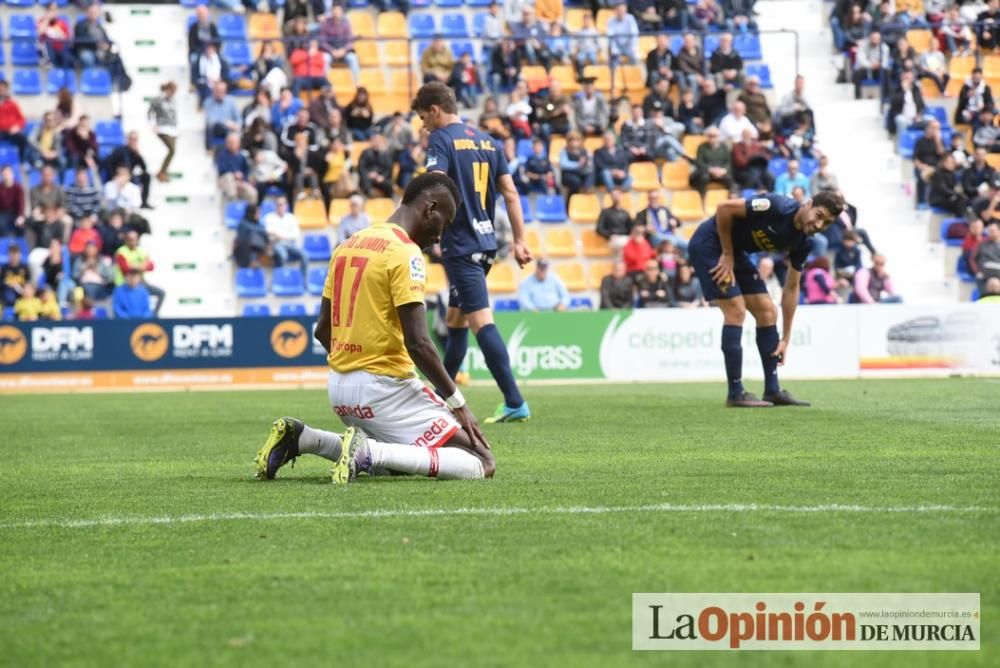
<point>345,470</point>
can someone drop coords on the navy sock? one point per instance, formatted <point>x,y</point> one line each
<point>455,349</point>
<point>732,350</point>
<point>767,341</point>
<point>495,353</point>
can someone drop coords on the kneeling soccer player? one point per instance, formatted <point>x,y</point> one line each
<point>373,325</point>
<point>720,253</point>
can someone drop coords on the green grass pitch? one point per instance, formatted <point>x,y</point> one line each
<point>241,586</point>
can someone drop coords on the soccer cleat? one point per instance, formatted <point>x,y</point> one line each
<point>505,413</point>
<point>747,400</point>
<point>281,447</point>
<point>346,468</point>
<point>783,398</point>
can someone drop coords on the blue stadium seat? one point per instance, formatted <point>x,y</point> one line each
<point>8,155</point>
<point>8,314</point>
<point>940,113</point>
<point>58,79</point>
<point>100,313</point>
<point>454,26</point>
<point>479,24</point>
<point>777,166</point>
<point>292,310</point>
<point>232,27</point>
<point>34,177</point>
<point>235,211</point>
<point>237,53</point>
<point>24,54</point>
<point>22,27</point>
<point>256,310</point>
<point>268,206</point>
<point>524,150</point>
<point>287,282</point>
<point>526,208</point>
<point>747,193</point>
<point>550,209</point>
<point>420,4</point>
<point>808,165</point>
<point>478,3</point>
<point>907,141</point>
<point>748,46</point>
<point>317,247</point>
<point>421,47</point>
<point>760,70</point>
<point>316,280</point>
<point>357,4</point>
<point>27,82</point>
<point>191,4</point>
<point>7,241</point>
<point>947,223</point>
<point>974,297</point>
<point>95,82</point>
<point>506,305</point>
<point>251,283</point>
<point>961,268</point>
<point>19,3</point>
<point>709,45</point>
<point>581,303</point>
<point>460,48</point>
<point>676,42</point>
<point>448,3</point>
<point>422,26</point>
<point>109,133</point>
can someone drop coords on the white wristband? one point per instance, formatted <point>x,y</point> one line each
<point>456,400</point>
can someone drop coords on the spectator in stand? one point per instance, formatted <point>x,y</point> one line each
<point>668,257</point>
<point>355,220</point>
<point>13,275</point>
<point>974,96</point>
<point>212,69</point>
<point>297,34</point>
<point>733,124</point>
<point>636,136</point>
<point>538,171</point>
<point>957,33</point>
<point>338,129</point>
<point>131,258</point>
<point>713,164</point>
<point>465,80</point>
<point>558,45</point>
<point>988,256</point>
<point>80,144</point>
<point>727,65</point>
<point>977,177</point>
<point>505,66</point>
<point>285,235</point>
<point>45,148</point>
<point>611,164</point>
<point>359,115</point>
<point>301,124</point>
<point>305,164</point>
<point>269,171</point>
<point>990,294</point>
<point>637,251</point>
<point>549,11</point>
<point>933,65</point>
<point>121,193</point>
<point>795,109</point>
<point>689,114</point>
<point>128,157</point>
<point>658,99</point>
<point>647,14</point>
<point>750,160</point>
<point>576,166</point>
<point>615,223</point>
<point>221,115</point>
<point>687,288</point>
<point>308,10</point>
<point>85,233</point>
<point>970,244</point>
<point>543,290</point>
<point>871,63</point>
<point>202,31</point>
<point>623,36</point>
<point>659,223</point>
<point>530,36</point>
<point>663,137</point>
<point>112,232</point>
<point>54,37</point>
<point>93,273</point>
<point>375,169</point>
<point>258,137</point>
<point>48,193</point>
<point>131,297</point>
<point>163,115</point>
<point>617,288</point>
<point>660,64</point>
<point>847,259</point>
<point>259,108</point>
<point>398,133</point>
<point>712,103</point>
<point>338,39</point>
<point>690,65</point>
<point>83,197</point>
<point>755,103</point>
<point>284,109</point>
<point>874,286</point>
<point>494,28</point>
<point>792,178</point>
<point>519,111</point>
<point>818,283</point>
<point>309,68</point>
<point>586,44</point>
<point>412,161</point>
<point>944,190</point>
<point>437,61</point>
<point>765,267</point>
<point>928,150</point>
<point>234,171</point>
<point>271,72</point>
<point>653,289</point>
<point>322,106</point>
<point>48,229</point>
<point>823,179</point>
<point>251,242</point>
<point>988,27</point>
<point>94,47</point>
<point>708,15</point>
<point>11,204</point>
<point>29,307</point>
<point>11,120</point>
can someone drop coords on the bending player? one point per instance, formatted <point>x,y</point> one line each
<point>478,167</point>
<point>373,325</point>
<point>720,253</point>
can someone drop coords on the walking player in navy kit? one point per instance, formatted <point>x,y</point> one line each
<point>468,246</point>
<point>720,253</point>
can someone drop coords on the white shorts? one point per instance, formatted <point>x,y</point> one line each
<point>391,410</point>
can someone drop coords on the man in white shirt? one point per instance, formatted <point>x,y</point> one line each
<point>354,221</point>
<point>733,124</point>
<point>286,238</point>
<point>121,193</point>
<point>623,35</point>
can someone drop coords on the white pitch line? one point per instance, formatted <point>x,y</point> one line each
<point>495,511</point>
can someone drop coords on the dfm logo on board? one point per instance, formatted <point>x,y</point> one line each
<point>13,345</point>
<point>149,342</point>
<point>288,339</point>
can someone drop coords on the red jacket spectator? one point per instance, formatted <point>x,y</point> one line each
<point>11,118</point>
<point>637,251</point>
<point>86,233</point>
<point>12,198</point>
<point>306,64</point>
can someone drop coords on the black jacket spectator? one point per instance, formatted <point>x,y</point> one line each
<point>126,156</point>
<point>658,61</point>
<point>653,292</point>
<point>617,291</point>
<point>605,159</point>
<point>975,175</point>
<point>199,36</point>
<point>897,101</point>
<point>712,107</point>
<point>725,61</point>
<point>654,101</point>
<point>614,222</point>
<point>943,192</point>
<point>988,29</point>
<point>379,162</point>
<point>972,98</point>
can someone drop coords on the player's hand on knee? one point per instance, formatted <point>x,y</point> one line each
<point>471,426</point>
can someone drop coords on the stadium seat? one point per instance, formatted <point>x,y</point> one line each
<point>448,3</point>
<point>391,25</point>
<point>315,280</point>
<point>993,160</point>
<point>713,198</point>
<point>555,149</point>
<point>777,166</point>
<point>574,20</point>
<point>533,242</point>
<point>232,27</point>
<point>100,313</point>
<point>7,241</point>
<point>709,44</point>
<point>593,144</point>
<point>235,211</point>
<point>396,53</point>
<point>22,27</point>
<point>687,206</point>
<point>9,314</point>
<point>962,270</point>
<point>526,210</point>
<point>920,40</point>
<point>960,67</point>
<point>584,208</point>
<point>310,212</point>
<point>691,144</point>
<point>292,310</point>
<point>362,24</point>
<point>581,303</point>
<point>632,77</point>
<point>945,225</point>
<point>316,247</point>
<point>462,47</point>
<point>57,79</point>
<point>524,149</point>
<point>506,305</point>
<point>560,243</point>
<point>454,26</point>
<point>27,82</point>
<point>633,205</point>
<point>265,26</point>
<point>24,3</point>
<point>478,3</point>
<point>603,17</point>
<point>287,282</point>
<point>24,54</point>
<point>374,80</point>
<point>109,133</point>
<point>940,113</point>
<point>379,208</point>
<point>644,176</point>
<point>760,70</point>
<point>566,75</point>
<point>479,24</point>
<point>594,245</point>
<point>596,273</point>
<point>9,156</point>
<point>338,209</point>
<point>95,82</point>
<point>676,175</point>
<point>601,76</point>
<point>437,281</point>
<point>501,278</point>
<point>550,209</point>
<point>368,53</point>
<point>237,53</point>
<point>256,311</point>
<point>422,26</point>
<point>907,141</point>
<point>748,46</point>
<point>572,275</point>
<point>251,283</point>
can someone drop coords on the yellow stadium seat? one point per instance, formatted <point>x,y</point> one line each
<point>592,144</point>
<point>374,80</point>
<point>357,148</point>
<point>584,208</point>
<point>594,245</point>
<point>501,278</point>
<point>535,76</point>
<point>920,40</point>
<point>687,206</point>
<point>993,160</point>
<point>436,279</point>
<point>395,54</point>
<point>631,204</point>
<point>646,44</point>
<point>379,208</point>
<point>405,82</point>
<point>263,26</point>
<point>954,86</point>
<point>713,198</point>
<point>385,104</point>
<point>687,231</point>
<point>311,213</point>
<point>341,80</point>
<point>631,77</point>
<point>276,44</point>
<point>566,75</point>
<point>991,66</point>
<point>598,270</point>
<point>338,209</point>
<point>691,144</point>
<point>362,24</point>
<point>391,24</point>
<point>929,89</point>
<point>534,242</point>
<point>574,19</point>
<point>572,275</point>
<point>602,76</point>
<point>676,175</point>
<point>961,67</point>
<point>560,243</point>
<point>367,52</point>
<point>603,16</point>
<point>556,146</point>
<point>644,176</point>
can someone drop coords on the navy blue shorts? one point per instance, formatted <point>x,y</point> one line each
<point>704,252</point>
<point>467,281</point>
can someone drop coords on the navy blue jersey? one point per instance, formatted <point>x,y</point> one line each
<point>474,162</point>
<point>770,227</point>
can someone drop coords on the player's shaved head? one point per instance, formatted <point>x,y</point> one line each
<point>435,184</point>
<point>428,206</point>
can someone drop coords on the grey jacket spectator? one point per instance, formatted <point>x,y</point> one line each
<point>590,110</point>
